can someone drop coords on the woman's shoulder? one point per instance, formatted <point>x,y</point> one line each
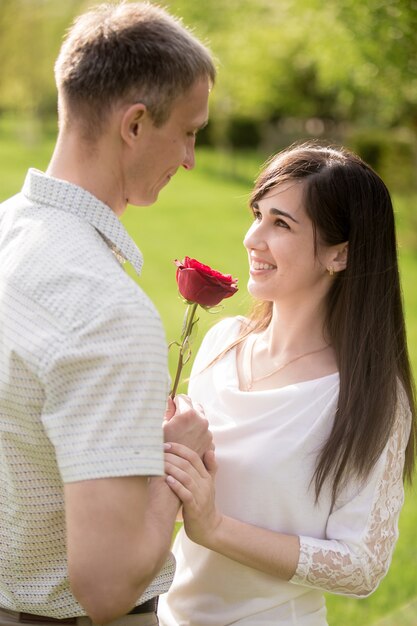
<point>219,337</point>
<point>227,328</point>
<point>214,342</point>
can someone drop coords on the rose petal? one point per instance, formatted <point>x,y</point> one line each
<point>201,284</point>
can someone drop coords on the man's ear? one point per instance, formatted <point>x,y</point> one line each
<point>339,257</point>
<point>131,122</point>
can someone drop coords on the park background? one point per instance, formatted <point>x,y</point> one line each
<point>341,71</point>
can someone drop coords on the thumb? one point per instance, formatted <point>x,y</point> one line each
<point>170,409</point>
<point>210,462</point>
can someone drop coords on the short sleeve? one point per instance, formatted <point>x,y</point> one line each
<point>362,531</point>
<point>105,392</point>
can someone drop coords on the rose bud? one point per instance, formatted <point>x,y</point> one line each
<point>199,283</point>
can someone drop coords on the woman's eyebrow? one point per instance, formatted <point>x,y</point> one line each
<point>274,211</point>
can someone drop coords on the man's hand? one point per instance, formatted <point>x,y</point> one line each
<point>185,423</point>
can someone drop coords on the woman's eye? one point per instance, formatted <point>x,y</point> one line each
<point>257,217</point>
<point>281,223</point>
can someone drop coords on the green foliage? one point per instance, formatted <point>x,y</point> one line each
<point>243,132</point>
<point>343,61</point>
<point>347,60</point>
<point>385,34</point>
<point>30,36</point>
<point>392,154</point>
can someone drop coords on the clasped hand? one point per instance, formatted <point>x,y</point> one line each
<point>185,423</point>
<point>192,481</point>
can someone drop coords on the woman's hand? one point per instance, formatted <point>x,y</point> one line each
<point>193,482</point>
<point>185,423</point>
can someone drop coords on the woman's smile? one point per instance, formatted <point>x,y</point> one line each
<point>259,266</point>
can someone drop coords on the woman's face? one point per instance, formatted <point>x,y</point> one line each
<point>283,265</point>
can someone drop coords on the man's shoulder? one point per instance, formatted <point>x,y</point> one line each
<point>62,263</point>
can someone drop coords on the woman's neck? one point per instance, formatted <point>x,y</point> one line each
<point>294,330</point>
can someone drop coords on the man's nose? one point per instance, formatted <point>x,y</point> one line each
<point>189,161</point>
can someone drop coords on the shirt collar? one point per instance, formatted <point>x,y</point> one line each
<point>60,194</point>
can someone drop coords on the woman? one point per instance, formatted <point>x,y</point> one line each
<point>311,406</point>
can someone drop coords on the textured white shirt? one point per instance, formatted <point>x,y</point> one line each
<point>266,447</point>
<point>83,379</point>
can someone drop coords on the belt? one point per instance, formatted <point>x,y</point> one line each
<point>149,606</point>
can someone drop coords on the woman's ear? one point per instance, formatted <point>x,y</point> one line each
<point>131,122</point>
<point>338,258</point>
<point>341,257</point>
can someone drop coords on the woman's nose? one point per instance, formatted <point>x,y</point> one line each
<point>254,239</point>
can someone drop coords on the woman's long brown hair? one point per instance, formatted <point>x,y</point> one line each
<point>347,201</point>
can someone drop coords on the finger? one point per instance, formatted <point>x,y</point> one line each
<point>183,403</point>
<point>185,453</point>
<point>178,461</point>
<point>180,491</point>
<point>184,466</point>
<point>182,477</point>
<point>210,463</point>
<point>170,409</point>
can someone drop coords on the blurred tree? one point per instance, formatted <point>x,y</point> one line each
<point>30,35</point>
<point>337,61</point>
<point>343,59</point>
<point>385,33</point>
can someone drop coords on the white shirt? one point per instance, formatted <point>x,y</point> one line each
<point>266,447</point>
<point>83,379</point>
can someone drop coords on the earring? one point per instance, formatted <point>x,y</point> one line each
<point>330,270</point>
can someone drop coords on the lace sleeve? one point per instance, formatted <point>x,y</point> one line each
<point>362,533</point>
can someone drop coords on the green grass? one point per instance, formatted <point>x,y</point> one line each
<point>404,616</point>
<point>203,214</point>
<point>397,588</point>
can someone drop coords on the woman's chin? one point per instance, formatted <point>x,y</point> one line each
<point>259,293</point>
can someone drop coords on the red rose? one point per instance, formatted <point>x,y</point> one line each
<point>200,284</point>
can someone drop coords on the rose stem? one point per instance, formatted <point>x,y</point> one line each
<point>191,309</point>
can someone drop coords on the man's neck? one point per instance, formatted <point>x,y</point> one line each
<point>90,167</point>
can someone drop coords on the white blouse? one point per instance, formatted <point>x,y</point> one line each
<point>267,444</point>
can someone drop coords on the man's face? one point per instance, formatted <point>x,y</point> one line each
<point>159,152</point>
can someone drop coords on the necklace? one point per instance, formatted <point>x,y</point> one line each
<point>249,374</point>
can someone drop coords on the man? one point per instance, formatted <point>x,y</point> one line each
<point>83,358</point>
